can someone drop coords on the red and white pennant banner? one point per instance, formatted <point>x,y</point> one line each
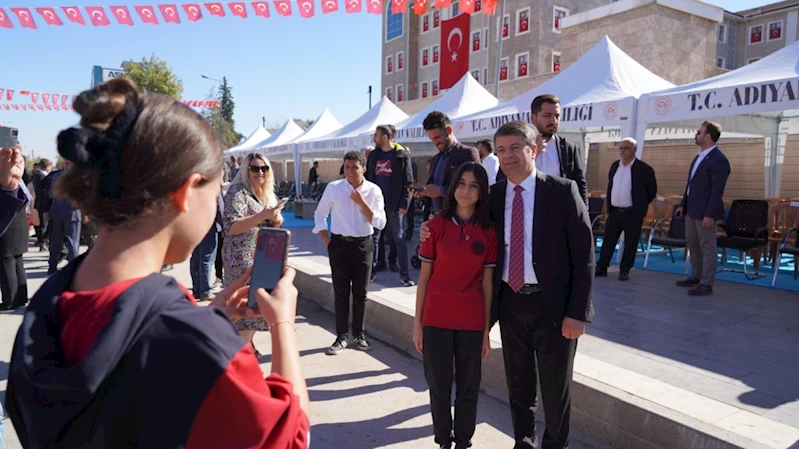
<point>34,107</point>
<point>64,102</point>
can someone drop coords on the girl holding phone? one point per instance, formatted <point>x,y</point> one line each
<point>453,303</point>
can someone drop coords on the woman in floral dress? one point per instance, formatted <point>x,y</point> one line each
<point>250,204</point>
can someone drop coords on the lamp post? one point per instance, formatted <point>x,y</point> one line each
<point>217,118</point>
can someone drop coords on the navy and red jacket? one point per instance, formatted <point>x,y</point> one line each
<point>139,364</point>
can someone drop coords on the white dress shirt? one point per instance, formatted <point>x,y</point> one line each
<point>548,160</point>
<point>702,155</point>
<point>528,198</point>
<point>346,218</point>
<point>622,193</point>
<point>491,165</point>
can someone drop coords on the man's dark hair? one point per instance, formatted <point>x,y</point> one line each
<point>488,144</point>
<point>538,102</point>
<point>482,213</point>
<point>355,156</point>
<point>713,129</point>
<point>436,120</point>
<point>45,163</point>
<point>517,128</point>
<point>315,163</point>
<point>385,129</point>
<point>393,130</point>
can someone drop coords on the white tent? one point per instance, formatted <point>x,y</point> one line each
<point>325,124</point>
<point>464,98</point>
<point>757,98</point>
<point>249,143</point>
<point>598,90</point>
<point>286,133</point>
<point>354,135</point>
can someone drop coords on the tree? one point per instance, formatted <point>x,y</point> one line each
<point>223,128</point>
<point>226,104</point>
<point>154,75</point>
<point>304,123</point>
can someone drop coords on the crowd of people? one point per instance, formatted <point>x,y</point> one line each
<point>509,240</point>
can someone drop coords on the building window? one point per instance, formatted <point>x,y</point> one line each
<point>425,57</point>
<point>425,23</point>
<point>478,5</point>
<point>559,14</point>
<point>436,19</point>
<point>390,64</point>
<point>424,89</point>
<point>435,54</point>
<point>456,8</point>
<point>521,64</point>
<point>775,30</point>
<point>476,41</point>
<point>556,61</point>
<point>400,60</point>
<point>485,76</point>
<point>756,34</point>
<point>506,26</point>
<point>435,88</point>
<point>522,21</point>
<point>503,69</point>
<point>722,33</point>
<point>720,63</point>
<point>749,61</point>
<point>476,75</point>
<point>486,40</point>
<point>390,93</point>
<point>393,25</point>
<point>399,93</point>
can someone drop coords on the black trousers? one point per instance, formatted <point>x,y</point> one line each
<point>351,268</point>
<point>41,230</point>
<point>441,347</point>
<point>534,348</point>
<point>13,282</point>
<point>629,222</point>
<point>220,238</point>
<point>63,232</point>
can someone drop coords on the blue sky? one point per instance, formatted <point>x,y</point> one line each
<point>280,68</point>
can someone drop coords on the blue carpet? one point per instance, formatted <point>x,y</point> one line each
<point>290,221</point>
<point>662,262</point>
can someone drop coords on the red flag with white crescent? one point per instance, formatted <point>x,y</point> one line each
<point>215,9</point>
<point>9,94</point>
<point>25,17</point>
<point>48,107</point>
<point>122,14</point>
<point>15,106</point>
<point>443,4</point>
<point>64,100</point>
<point>329,6</point>
<point>454,50</point>
<point>5,22</point>
<point>307,8</point>
<point>419,6</point>
<point>170,13</point>
<point>261,9</point>
<point>283,7</point>
<point>374,7</point>
<point>55,106</point>
<point>6,107</point>
<point>489,7</point>
<point>97,16</point>
<point>467,6</point>
<point>25,92</point>
<point>353,6</point>
<point>1,94</point>
<point>50,17</point>
<point>46,98</point>
<point>40,107</point>
<point>238,9</point>
<point>73,14</point>
<point>399,6</point>
<point>147,14</point>
<point>55,98</point>
<point>35,97</point>
<point>193,11</point>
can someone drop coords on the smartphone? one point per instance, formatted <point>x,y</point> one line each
<point>9,137</point>
<point>283,201</point>
<point>271,253</point>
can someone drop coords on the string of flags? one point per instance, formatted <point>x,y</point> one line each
<point>62,102</point>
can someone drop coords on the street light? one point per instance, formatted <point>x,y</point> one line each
<point>212,79</point>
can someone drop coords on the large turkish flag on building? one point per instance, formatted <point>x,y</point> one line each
<point>454,50</point>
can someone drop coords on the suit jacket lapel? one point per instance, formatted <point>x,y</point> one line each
<point>562,156</point>
<point>542,196</point>
<point>499,220</point>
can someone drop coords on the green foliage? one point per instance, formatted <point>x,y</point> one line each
<point>154,75</point>
<point>221,118</point>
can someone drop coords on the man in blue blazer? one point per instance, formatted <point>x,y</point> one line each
<point>65,222</point>
<point>702,206</point>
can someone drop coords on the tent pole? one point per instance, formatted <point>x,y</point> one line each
<point>499,47</point>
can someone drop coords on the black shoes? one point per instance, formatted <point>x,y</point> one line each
<point>600,272</point>
<point>392,265</point>
<point>624,275</point>
<point>690,282</point>
<point>361,342</point>
<point>339,345</point>
<point>701,290</point>
<point>406,279</point>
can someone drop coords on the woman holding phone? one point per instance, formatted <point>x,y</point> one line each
<point>123,350</point>
<point>453,303</point>
<point>250,203</point>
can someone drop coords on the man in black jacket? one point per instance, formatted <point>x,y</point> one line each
<point>45,166</point>
<point>631,187</point>
<point>556,156</point>
<point>389,166</point>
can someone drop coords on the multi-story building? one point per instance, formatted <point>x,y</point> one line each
<point>746,36</point>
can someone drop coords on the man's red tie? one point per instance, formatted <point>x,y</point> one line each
<point>516,259</point>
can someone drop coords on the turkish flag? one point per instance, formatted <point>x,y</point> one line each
<point>283,7</point>
<point>775,33</point>
<point>306,7</point>
<point>15,106</point>
<point>40,107</point>
<point>435,89</point>
<point>215,9</point>
<point>238,9</point>
<point>454,50</point>
<point>490,7</point>
<point>122,14</point>
<point>329,6</point>
<point>9,94</point>
<point>399,61</point>
<point>399,6</point>
<point>170,13</point>
<point>419,7</point>
<point>478,5</point>
<point>55,106</point>
<point>374,7</point>
<point>64,100</point>
<point>147,14</point>
<point>35,97</point>
<point>25,17</point>
<point>73,14</point>
<point>25,92</point>
<point>6,107</point>
<point>443,3</point>
<point>503,73</point>
<point>261,8</point>
<point>524,24</point>
<point>435,55</point>
<point>467,6</point>
<point>193,11</point>
<point>523,69</point>
<point>1,94</point>
<point>97,16</point>
<point>48,107</point>
<point>5,22</point>
<point>49,16</point>
<point>556,67</point>
<point>55,98</point>
<point>424,90</point>
<point>46,98</point>
<point>353,6</point>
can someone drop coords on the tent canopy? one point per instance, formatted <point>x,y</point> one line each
<point>325,124</point>
<point>599,89</point>
<point>249,143</point>
<point>466,97</point>
<point>290,130</point>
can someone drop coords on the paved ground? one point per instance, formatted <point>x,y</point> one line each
<point>359,400</point>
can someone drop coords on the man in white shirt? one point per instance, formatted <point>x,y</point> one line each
<point>356,209</point>
<point>489,160</point>
<point>631,187</point>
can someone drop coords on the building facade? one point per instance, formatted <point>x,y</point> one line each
<point>747,36</point>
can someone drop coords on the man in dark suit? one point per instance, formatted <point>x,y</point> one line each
<point>451,155</point>
<point>556,155</point>
<point>45,166</point>
<point>631,187</point>
<point>542,284</point>
<point>65,222</point>
<point>702,205</point>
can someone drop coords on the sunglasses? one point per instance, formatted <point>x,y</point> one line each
<point>256,168</point>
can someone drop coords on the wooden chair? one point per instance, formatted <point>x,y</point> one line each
<point>782,218</point>
<point>789,213</point>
